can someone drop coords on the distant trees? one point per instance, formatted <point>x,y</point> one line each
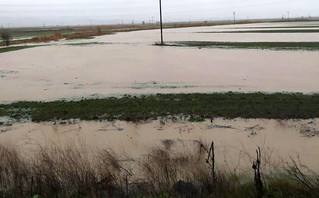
<point>6,38</point>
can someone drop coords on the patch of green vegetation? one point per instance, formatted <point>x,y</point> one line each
<point>176,86</point>
<point>268,31</point>
<point>3,111</point>
<point>15,48</point>
<point>85,38</point>
<point>281,27</point>
<point>29,33</point>
<point>17,42</point>
<point>148,86</point>
<point>133,108</point>
<point>249,45</point>
<point>196,119</point>
<point>86,44</point>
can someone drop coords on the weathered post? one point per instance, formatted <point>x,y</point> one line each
<point>161,22</point>
<point>257,177</point>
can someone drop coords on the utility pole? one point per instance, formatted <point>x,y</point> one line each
<point>90,23</point>
<point>234,13</point>
<point>161,22</point>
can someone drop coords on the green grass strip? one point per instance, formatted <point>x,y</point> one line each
<point>86,44</point>
<point>268,31</point>
<point>133,108</point>
<point>280,27</point>
<point>249,45</point>
<point>83,38</point>
<point>15,48</point>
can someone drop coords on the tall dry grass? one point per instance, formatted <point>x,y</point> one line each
<point>65,171</point>
<point>61,172</point>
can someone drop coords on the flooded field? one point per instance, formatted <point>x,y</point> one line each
<point>236,140</point>
<point>128,63</point>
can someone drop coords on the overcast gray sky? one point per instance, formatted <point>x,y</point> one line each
<point>73,12</point>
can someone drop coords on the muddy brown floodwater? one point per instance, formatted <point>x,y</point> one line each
<point>128,63</point>
<point>236,140</point>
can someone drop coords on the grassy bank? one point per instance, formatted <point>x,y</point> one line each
<point>69,172</point>
<point>268,31</point>
<point>42,35</point>
<point>86,44</point>
<point>131,108</point>
<point>9,49</point>
<point>312,46</point>
<point>280,27</point>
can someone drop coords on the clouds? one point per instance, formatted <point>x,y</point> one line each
<point>62,12</point>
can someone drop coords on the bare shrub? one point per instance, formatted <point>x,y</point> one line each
<point>98,31</point>
<point>163,169</point>
<point>113,175</point>
<point>303,175</point>
<point>6,38</point>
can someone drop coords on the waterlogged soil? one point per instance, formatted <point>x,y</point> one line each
<point>236,140</point>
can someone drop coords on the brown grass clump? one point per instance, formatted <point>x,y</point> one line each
<point>39,39</point>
